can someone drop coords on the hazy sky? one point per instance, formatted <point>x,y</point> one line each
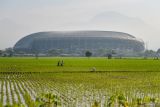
<point>19,18</point>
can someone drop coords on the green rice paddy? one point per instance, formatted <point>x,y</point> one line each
<point>136,81</point>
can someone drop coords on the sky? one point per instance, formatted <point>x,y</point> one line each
<point>139,18</point>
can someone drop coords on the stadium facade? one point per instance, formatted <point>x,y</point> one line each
<point>76,42</point>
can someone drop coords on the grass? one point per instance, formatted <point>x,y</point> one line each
<point>77,64</point>
<point>134,78</point>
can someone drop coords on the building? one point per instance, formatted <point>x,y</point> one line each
<point>76,42</point>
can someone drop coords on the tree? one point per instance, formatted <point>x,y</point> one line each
<point>1,52</point>
<point>88,54</point>
<point>109,56</point>
<point>110,53</point>
<point>9,52</point>
<point>149,53</point>
<point>158,52</point>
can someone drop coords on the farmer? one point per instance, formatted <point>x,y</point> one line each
<point>58,63</point>
<point>62,63</point>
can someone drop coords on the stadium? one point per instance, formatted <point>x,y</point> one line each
<point>76,42</point>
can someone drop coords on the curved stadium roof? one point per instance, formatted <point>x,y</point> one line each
<point>51,34</point>
<point>29,40</point>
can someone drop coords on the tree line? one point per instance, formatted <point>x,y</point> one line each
<point>9,52</point>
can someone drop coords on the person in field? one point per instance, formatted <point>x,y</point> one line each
<point>62,63</point>
<point>58,64</point>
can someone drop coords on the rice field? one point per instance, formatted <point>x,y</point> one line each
<point>30,82</point>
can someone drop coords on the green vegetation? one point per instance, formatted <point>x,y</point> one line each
<point>77,64</point>
<point>115,83</point>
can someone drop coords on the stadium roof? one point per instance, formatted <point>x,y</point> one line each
<point>111,34</point>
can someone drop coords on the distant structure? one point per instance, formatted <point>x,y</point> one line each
<point>75,42</point>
